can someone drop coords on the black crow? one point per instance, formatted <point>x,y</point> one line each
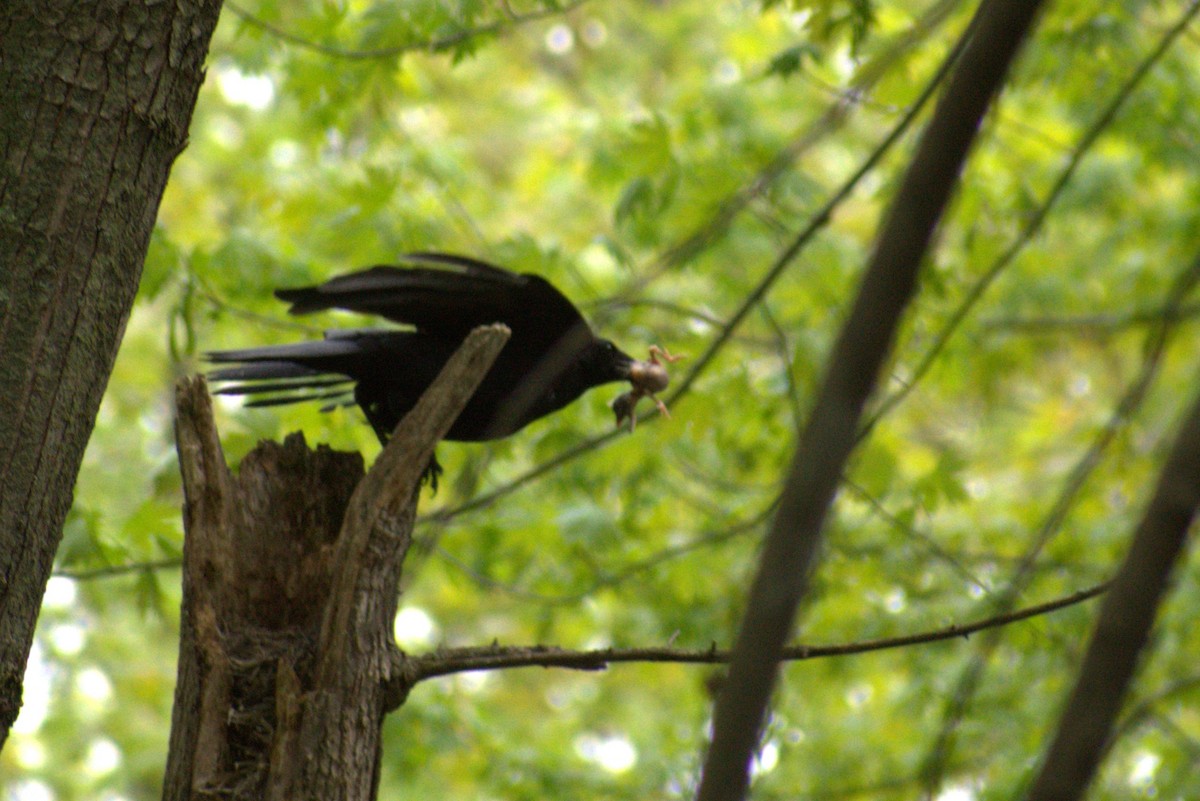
<point>551,358</point>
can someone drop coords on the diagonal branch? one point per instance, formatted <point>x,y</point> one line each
<point>811,228</point>
<point>993,39</point>
<point>1123,628</point>
<point>386,493</point>
<point>834,116</point>
<point>1082,148</point>
<point>1130,400</point>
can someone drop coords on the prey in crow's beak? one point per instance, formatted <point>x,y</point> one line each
<point>647,378</point>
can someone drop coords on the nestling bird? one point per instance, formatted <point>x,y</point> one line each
<point>551,358</point>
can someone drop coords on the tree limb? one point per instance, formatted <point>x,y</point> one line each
<point>888,284</point>
<point>1123,627</point>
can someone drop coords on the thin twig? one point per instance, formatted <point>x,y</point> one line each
<point>449,661</point>
<point>1084,146</point>
<point>1128,404</point>
<point>1094,324</point>
<point>704,540</point>
<point>811,228</point>
<point>431,45</point>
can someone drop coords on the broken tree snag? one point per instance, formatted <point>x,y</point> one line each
<point>291,568</point>
<point>257,568</point>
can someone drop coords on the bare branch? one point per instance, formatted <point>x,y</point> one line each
<point>1092,324</point>
<point>1123,628</point>
<point>449,661</point>
<point>355,677</point>
<point>818,221</point>
<point>992,41</point>
<point>432,45</point>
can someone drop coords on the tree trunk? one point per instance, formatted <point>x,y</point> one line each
<point>286,661</point>
<point>97,97</point>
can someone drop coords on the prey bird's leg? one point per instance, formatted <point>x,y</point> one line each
<point>657,353</point>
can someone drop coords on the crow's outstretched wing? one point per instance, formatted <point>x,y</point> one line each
<point>446,295</point>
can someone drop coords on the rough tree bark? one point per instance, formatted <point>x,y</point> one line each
<point>287,664</point>
<point>97,96</point>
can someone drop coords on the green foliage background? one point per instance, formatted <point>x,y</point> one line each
<point>604,145</point>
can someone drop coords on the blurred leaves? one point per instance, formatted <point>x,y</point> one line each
<point>584,145</point>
